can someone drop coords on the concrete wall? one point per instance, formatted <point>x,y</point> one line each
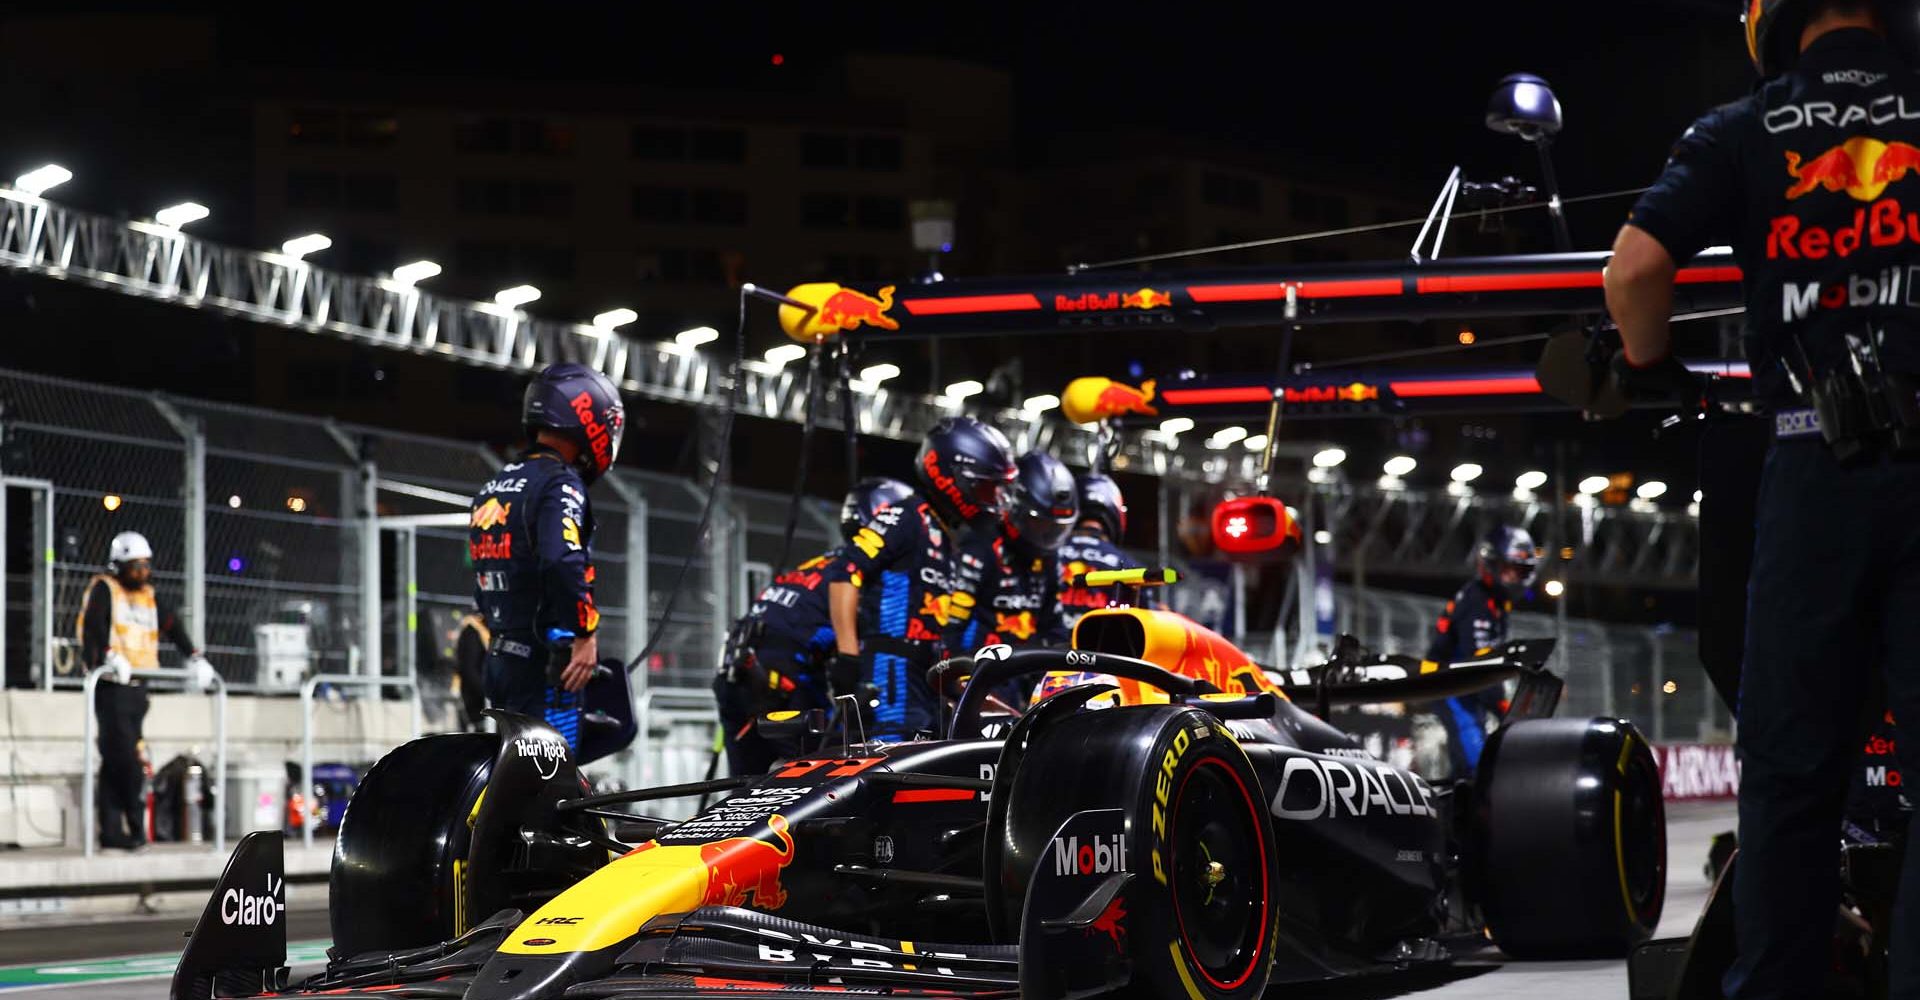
<point>41,753</point>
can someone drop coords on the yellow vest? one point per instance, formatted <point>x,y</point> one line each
<point>135,629</point>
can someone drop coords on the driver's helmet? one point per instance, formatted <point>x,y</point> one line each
<point>1507,546</point>
<point>1057,681</point>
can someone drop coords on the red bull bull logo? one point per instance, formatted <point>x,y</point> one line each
<point>1087,400</point>
<point>1146,298</point>
<point>1862,167</point>
<point>1017,626</point>
<point>836,309</point>
<point>937,607</point>
<point>490,515</point>
<point>739,867</point>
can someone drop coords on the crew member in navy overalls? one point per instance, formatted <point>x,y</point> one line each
<point>1094,545</point>
<point>1476,621</point>
<point>1013,573</point>
<point>776,651</point>
<point>892,598</point>
<point>531,541</point>
<point>1814,181</point>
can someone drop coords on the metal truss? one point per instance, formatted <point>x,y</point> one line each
<point>1435,533</point>
<point>163,263</point>
<point>1397,531</point>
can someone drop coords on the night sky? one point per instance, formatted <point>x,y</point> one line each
<point>1385,97</point>
<point>1343,87</point>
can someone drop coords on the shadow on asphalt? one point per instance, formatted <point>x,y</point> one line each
<point>1384,985</point>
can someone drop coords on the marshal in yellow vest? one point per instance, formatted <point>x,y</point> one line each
<point>136,622</point>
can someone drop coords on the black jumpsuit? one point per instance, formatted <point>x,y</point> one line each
<point>530,538</point>
<point>1814,180</point>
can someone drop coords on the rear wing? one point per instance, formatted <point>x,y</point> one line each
<point>239,946</point>
<point>1390,678</point>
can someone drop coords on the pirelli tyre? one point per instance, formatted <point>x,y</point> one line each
<point>1198,841</point>
<point>1572,853</point>
<point>396,880</point>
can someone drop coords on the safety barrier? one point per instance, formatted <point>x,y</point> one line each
<point>89,688</point>
<point>306,723</point>
<point>678,756</point>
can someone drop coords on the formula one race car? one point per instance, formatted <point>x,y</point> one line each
<point>1169,821</point>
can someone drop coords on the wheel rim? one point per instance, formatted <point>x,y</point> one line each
<point>1643,841</point>
<point>1219,873</point>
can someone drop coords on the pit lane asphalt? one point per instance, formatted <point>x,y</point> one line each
<point>125,959</point>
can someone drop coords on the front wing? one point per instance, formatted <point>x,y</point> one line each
<point>716,949</point>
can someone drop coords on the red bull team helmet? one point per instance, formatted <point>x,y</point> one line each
<point>865,500</point>
<point>1509,547</point>
<point>964,468</point>
<point>583,406</point>
<point>1101,502</point>
<point>1773,30</point>
<point>1044,507</point>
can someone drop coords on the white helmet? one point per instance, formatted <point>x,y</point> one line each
<point>128,546</point>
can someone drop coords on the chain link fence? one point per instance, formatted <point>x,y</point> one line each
<point>260,523</point>
<point>1650,674</point>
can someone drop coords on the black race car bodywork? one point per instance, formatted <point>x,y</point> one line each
<point>1202,834</point>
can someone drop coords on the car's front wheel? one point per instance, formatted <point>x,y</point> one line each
<point>1199,919</point>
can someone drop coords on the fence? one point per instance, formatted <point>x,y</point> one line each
<point>1649,674</point>
<point>347,542</point>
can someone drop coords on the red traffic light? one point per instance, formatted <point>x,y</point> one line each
<point>1255,529</point>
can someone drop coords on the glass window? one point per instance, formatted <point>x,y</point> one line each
<point>1317,209</point>
<point>372,128</point>
<point>369,193</point>
<point>718,145</point>
<point>551,199</point>
<point>483,260</point>
<point>659,142</point>
<point>659,204</point>
<point>473,134</point>
<point>878,152</point>
<point>484,196</point>
<point>819,149</point>
<point>826,211</point>
<point>880,213</point>
<point>1230,191</point>
<point>1152,189</point>
<point>720,207</point>
<point>545,138</point>
<point>680,265</point>
<point>545,262</point>
<point>313,126</point>
<point>312,189</point>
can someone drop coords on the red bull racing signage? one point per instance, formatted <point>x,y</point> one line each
<point>1144,298</point>
<point>1356,392</point>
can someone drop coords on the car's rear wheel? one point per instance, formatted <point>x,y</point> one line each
<point>1200,920</point>
<point>1572,857</point>
<point>396,880</point>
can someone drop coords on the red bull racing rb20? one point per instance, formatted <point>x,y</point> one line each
<point>1170,821</point>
